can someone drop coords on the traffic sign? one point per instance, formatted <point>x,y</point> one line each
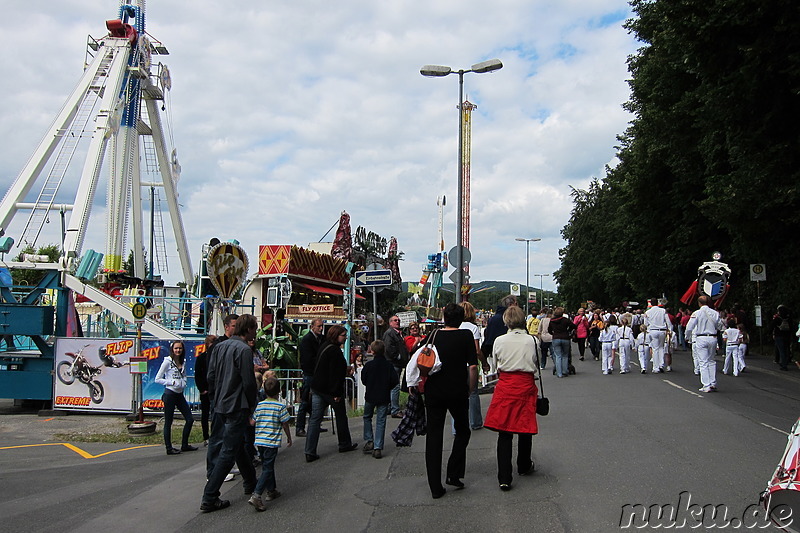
<point>466,256</point>
<point>758,272</point>
<point>139,311</point>
<point>373,278</point>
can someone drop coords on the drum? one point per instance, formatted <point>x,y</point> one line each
<point>781,498</point>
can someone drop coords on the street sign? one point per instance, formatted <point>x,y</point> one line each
<point>515,289</point>
<point>758,272</point>
<point>454,277</point>
<point>139,311</point>
<point>373,278</point>
<point>406,318</point>
<point>466,256</point>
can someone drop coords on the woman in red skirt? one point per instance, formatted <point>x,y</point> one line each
<point>513,407</point>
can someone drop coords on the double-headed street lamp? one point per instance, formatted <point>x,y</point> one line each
<point>527,268</point>
<point>438,71</point>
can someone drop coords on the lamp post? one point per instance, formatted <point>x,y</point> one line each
<point>527,268</point>
<point>438,71</point>
<point>541,284</point>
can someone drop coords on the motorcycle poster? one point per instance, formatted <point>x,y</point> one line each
<point>94,374</point>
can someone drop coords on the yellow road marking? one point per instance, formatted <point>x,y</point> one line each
<point>82,453</point>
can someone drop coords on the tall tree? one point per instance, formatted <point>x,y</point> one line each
<point>709,162</point>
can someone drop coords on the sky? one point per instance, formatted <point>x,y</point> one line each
<point>284,114</point>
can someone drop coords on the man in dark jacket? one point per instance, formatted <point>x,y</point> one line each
<point>397,354</point>
<point>379,378</point>
<point>232,378</point>
<point>496,327</point>
<point>309,345</point>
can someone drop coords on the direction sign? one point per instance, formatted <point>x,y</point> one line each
<point>373,278</point>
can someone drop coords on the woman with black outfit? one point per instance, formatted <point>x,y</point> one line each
<point>446,391</point>
<point>201,382</point>
<point>327,389</point>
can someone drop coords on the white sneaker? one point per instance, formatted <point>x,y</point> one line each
<point>669,369</point>
<point>234,470</point>
<point>230,477</point>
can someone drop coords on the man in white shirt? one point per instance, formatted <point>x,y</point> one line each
<point>658,323</point>
<point>702,328</point>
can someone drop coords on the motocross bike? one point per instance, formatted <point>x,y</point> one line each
<point>80,368</point>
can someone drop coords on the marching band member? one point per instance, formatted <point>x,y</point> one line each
<point>625,342</point>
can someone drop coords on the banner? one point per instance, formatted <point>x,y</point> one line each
<point>94,374</point>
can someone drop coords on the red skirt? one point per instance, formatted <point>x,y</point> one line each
<point>513,407</point>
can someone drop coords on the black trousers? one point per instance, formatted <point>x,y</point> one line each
<point>504,450</point>
<point>205,413</point>
<point>434,441</point>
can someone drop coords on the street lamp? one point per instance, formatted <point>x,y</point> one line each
<point>541,284</point>
<point>438,71</point>
<point>527,268</point>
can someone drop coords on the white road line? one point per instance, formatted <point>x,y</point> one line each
<point>681,388</point>
<point>776,429</point>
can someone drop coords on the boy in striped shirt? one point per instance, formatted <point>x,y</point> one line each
<point>269,418</point>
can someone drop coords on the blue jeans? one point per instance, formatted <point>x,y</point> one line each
<point>395,394</point>
<point>226,447</point>
<point>319,403</point>
<point>561,349</point>
<point>380,423</point>
<point>546,348</point>
<point>475,416</point>
<point>172,400</point>
<point>267,479</point>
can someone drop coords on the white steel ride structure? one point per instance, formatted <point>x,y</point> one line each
<point>115,105</point>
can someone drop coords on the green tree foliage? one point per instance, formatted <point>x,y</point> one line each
<point>709,162</point>
<point>33,277</point>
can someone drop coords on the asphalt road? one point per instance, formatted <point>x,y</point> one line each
<point>609,441</point>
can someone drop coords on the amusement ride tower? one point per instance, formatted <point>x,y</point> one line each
<point>112,116</point>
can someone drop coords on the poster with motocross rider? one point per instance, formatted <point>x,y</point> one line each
<point>94,374</point>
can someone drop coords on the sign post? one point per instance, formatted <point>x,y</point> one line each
<point>374,279</point>
<point>139,311</point>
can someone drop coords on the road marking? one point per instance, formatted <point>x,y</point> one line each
<point>682,388</point>
<point>82,453</point>
<point>776,429</point>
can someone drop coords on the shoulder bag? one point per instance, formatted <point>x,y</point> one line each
<point>542,402</point>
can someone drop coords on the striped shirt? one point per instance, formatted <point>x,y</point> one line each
<point>270,416</point>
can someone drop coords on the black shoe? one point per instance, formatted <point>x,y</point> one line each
<point>189,448</point>
<point>300,433</point>
<point>505,487</point>
<point>455,482</point>
<point>528,471</point>
<point>438,494</point>
<point>173,451</point>
<point>214,506</point>
<point>349,448</point>
<point>310,458</point>
<point>323,430</point>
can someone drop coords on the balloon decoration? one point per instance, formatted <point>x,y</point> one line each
<point>227,268</point>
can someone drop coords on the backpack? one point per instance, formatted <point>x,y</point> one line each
<point>784,325</point>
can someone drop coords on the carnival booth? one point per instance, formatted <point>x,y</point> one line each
<point>299,284</point>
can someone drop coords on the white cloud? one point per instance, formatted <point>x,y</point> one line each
<point>284,114</point>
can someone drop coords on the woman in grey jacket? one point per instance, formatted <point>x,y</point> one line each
<point>172,375</point>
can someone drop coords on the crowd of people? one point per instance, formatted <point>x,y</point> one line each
<point>247,416</point>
